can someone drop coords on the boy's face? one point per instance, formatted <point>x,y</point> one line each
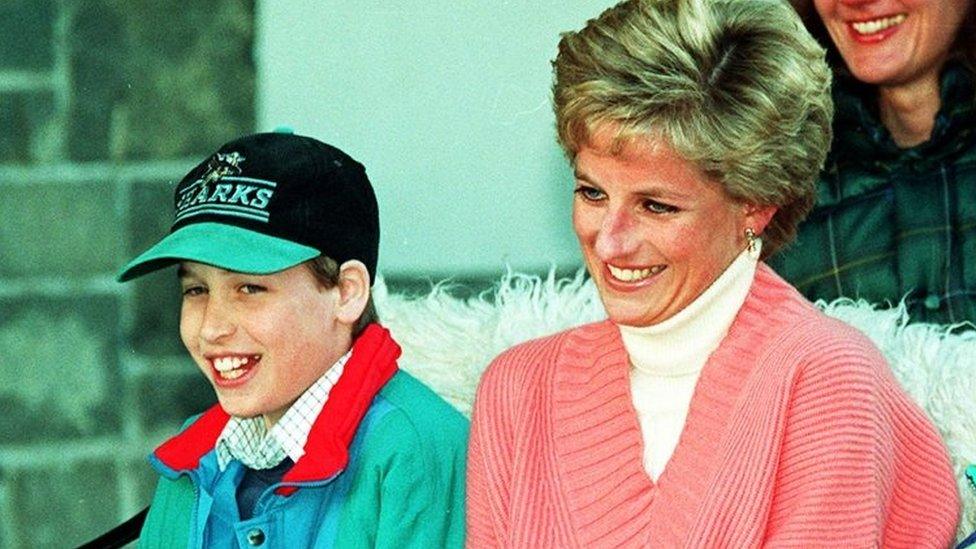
<point>261,340</point>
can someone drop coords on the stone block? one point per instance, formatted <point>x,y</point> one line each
<point>60,368</point>
<point>168,395</point>
<point>145,480</point>
<point>99,56</point>
<point>157,295</point>
<point>55,230</point>
<point>26,34</point>
<point>161,79</point>
<point>156,320</point>
<point>64,506</point>
<point>32,130</point>
<point>151,212</point>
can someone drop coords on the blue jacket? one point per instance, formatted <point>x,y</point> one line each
<point>397,482</point>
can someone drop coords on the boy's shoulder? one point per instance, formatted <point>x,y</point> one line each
<point>411,429</point>
<point>419,411</point>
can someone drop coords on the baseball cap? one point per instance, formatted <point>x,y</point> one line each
<point>267,202</point>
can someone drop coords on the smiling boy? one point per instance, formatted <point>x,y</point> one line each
<point>317,440</point>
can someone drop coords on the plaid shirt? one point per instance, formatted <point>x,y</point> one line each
<point>894,223</point>
<point>249,441</point>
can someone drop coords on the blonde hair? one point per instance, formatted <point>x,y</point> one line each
<point>737,87</point>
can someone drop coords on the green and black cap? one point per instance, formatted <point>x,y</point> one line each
<point>267,202</point>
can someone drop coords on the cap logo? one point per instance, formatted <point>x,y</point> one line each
<point>221,190</point>
<point>221,165</point>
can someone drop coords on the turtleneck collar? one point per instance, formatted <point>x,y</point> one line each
<point>681,344</point>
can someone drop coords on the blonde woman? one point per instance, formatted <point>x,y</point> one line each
<point>715,407</point>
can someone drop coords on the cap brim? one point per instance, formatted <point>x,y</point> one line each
<point>224,246</point>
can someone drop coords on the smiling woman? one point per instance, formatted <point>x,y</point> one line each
<point>895,44</point>
<point>654,230</point>
<point>895,218</point>
<point>715,407</point>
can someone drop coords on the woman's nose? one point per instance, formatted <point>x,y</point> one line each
<point>617,236</point>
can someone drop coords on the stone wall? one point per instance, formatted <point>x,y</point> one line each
<point>104,104</point>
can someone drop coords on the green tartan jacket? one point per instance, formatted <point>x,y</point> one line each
<point>890,223</point>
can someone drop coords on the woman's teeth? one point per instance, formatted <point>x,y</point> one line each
<point>633,275</point>
<point>878,25</point>
<point>233,367</point>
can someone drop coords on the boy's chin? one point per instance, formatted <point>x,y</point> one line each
<point>237,408</point>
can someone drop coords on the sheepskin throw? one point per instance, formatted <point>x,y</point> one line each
<point>447,342</point>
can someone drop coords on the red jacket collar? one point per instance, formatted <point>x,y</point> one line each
<point>372,364</point>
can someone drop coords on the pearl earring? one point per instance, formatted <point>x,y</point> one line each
<point>755,243</point>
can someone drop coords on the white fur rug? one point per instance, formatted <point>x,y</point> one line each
<point>447,342</point>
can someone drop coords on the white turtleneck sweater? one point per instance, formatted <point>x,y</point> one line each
<point>666,358</point>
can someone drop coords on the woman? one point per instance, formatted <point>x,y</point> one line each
<point>715,407</point>
<point>896,211</point>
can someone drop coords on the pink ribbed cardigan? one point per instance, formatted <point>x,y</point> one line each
<point>797,435</point>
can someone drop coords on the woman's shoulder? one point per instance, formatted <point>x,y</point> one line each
<point>825,356</point>
<point>527,363</point>
<point>802,334</point>
<point>822,339</point>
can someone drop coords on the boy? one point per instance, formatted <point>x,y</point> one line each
<point>317,439</point>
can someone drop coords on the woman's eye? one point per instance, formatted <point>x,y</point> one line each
<point>191,291</point>
<point>252,288</point>
<point>589,194</point>
<point>654,206</point>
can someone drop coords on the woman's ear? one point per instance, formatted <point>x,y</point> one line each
<point>353,291</point>
<point>757,217</point>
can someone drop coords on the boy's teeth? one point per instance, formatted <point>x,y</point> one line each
<point>226,364</point>
<point>232,374</point>
<point>878,25</point>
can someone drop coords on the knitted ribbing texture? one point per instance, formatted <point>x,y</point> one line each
<point>797,435</point>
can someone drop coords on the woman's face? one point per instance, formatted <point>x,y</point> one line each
<point>654,231</point>
<point>893,42</point>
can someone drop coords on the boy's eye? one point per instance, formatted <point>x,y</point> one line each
<point>654,206</point>
<point>252,288</point>
<point>590,194</point>
<point>190,291</point>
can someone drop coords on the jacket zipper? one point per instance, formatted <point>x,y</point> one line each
<point>265,499</point>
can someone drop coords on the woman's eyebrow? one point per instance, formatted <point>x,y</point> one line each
<point>658,192</point>
<point>580,175</point>
<point>650,191</point>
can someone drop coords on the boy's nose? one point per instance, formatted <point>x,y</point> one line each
<point>218,321</point>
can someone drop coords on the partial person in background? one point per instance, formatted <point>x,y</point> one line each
<point>716,407</point>
<point>317,439</point>
<point>896,202</point>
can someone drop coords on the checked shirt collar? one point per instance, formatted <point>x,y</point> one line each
<point>249,441</point>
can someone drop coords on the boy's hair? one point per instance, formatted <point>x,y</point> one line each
<point>737,87</point>
<point>326,271</point>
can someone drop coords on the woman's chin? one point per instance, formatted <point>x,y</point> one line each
<point>632,312</point>
<point>878,68</point>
